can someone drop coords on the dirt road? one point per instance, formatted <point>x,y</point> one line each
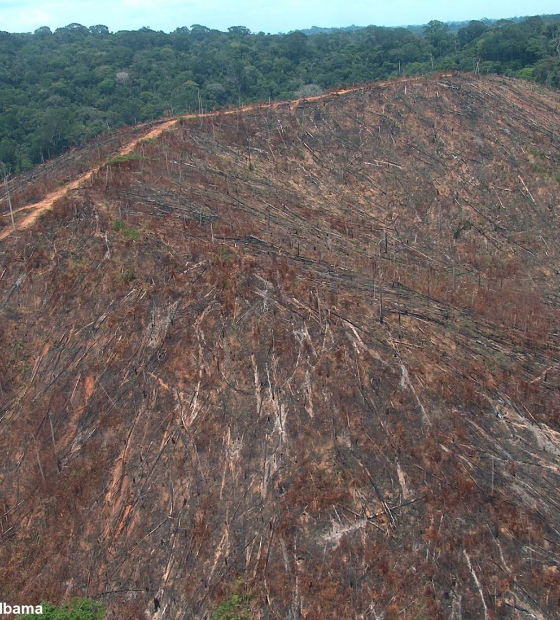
<point>38,208</point>
<point>47,203</point>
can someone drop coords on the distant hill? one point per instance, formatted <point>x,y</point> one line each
<point>453,26</point>
<point>297,360</point>
<point>317,30</point>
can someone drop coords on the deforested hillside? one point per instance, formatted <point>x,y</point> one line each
<point>297,361</point>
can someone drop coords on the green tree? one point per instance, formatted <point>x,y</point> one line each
<point>437,33</point>
<point>471,32</point>
<point>99,30</point>
<point>296,46</point>
<point>43,32</point>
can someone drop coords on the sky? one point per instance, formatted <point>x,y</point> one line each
<point>258,15</point>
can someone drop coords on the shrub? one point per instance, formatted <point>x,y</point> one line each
<point>236,607</point>
<point>128,232</point>
<point>128,275</point>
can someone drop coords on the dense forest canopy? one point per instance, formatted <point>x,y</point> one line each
<point>59,89</point>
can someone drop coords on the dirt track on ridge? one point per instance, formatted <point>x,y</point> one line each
<point>47,203</point>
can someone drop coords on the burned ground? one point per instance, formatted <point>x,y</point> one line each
<point>305,355</point>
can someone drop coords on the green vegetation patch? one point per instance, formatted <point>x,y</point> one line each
<point>77,609</point>
<point>536,152</point>
<point>236,607</point>
<point>122,159</point>
<point>128,232</point>
<point>463,227</point>
<point>128,275</point>
<point>226,253</point>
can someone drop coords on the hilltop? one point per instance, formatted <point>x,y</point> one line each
<point>61,89</point>
<point>296,361</point>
